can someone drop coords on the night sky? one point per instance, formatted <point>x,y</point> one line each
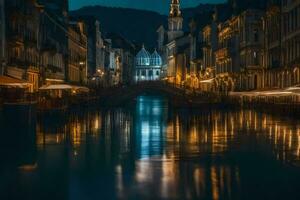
<point>155,5</point>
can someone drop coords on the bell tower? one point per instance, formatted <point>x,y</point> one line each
<point>175,21</point>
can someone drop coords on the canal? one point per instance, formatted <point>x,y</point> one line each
<point>147,150</point>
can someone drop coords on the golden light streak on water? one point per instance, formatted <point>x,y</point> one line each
<point>214,183</point>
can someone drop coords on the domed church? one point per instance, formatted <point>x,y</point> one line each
<point>147,66</point>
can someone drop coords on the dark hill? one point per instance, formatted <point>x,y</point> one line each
<point>138,25</point>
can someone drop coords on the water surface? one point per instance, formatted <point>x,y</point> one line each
<point>150,151</point>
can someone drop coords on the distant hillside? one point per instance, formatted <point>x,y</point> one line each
<point>138,25</point>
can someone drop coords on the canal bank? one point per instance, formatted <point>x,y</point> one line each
<point>61,98</point>
<point>277,101</point>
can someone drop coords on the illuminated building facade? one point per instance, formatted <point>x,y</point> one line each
<point>147,66</point>
<point>265,51</point>
<point>175,45</point>
<point>195,57</point>
<point>175,21</point>
<point>124,58</point>
<point>77,57</point>
<point>19,38</point>
<point>282,44</point>
<point>251,50</point>
<point>95,47</point>
<point>227,55</point>
<point>174,32</point>
<point>290,75</point>
<point>210,45</point>
<point>54,41</point>
<point>239,57</point>
<point>272,36</point>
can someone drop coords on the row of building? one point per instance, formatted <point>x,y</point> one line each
<point>256,49</point>
<point>41,44</point>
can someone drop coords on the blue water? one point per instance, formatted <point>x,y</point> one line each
<point>147,150</point>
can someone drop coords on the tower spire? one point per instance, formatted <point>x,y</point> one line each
<point>175,8</point>
<point>175,21</point>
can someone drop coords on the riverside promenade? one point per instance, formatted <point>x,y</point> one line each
<point>278,101</point>
<point>281,101</point>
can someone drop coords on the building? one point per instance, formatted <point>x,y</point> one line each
<point>195,56</point>
<point>175,21</point>
<point>19,41</point>
<point>210,46</point>
<point>147,66</point>
<point>227,55</point>
<point>99,49</point>
<point>161,44</point>
<point>251,47</point>
<point>124,52</point>
<point>53,41</point>
<point>290,75</point>
<point>176,44</point>
<point>34,43</point>
<point>272,26</point>
<point>95,48</point>
<point>77,57</point>
<point>282,44</point>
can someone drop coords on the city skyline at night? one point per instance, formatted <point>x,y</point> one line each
<point>149,99</point>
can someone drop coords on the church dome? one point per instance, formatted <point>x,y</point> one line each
<point>155,59</point>
<point>142,58</point>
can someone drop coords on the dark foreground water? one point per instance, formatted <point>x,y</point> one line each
<point>149,151</point>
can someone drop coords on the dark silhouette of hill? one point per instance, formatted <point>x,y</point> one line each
<point>138,26</point>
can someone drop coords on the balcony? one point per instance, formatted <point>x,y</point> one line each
<point>54,76</point>
<point>21,64</point>
<point>53,68</point>
<point>49,48</point>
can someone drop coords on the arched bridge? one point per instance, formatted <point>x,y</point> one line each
<point>177,96</point>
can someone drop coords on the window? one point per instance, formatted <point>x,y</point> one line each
<point>150,73</point>
<point>256,36</point>
<point>256,60</point>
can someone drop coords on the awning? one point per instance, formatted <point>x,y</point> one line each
<point>56,87</point>
<point>6,81</point>
<point>265,93</point>
<point>65,87</point>
<point>207,81</point>
<point>81,89</point>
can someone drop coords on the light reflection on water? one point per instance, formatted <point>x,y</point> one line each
<point>150,151</point>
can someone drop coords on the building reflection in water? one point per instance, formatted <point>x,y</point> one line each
<point>150,125</point>
<point>151,150</point>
